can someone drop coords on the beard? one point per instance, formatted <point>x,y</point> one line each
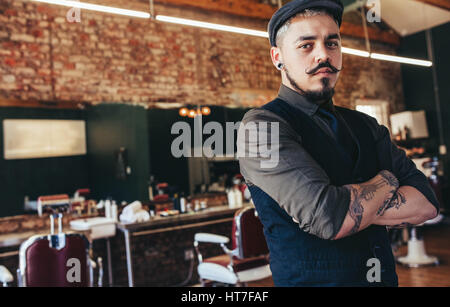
<point>320,96</point>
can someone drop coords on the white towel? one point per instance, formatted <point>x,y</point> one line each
<point>133,213</point>
<point>132,208</point>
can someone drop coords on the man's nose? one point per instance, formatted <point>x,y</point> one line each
<point>321,54</point>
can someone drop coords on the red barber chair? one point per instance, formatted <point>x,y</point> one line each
<point>55,260</point>
<point>247,261</point>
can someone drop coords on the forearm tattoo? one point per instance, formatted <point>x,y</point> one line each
<point>398,199</point>
<point>390,178</point>
<point>367,192</point>
<point>356,209</point>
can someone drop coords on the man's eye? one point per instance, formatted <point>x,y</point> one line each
<point>306,46</point>
<point>332,44</point>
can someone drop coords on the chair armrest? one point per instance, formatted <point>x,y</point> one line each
<point>5,276</point>
<point>211,238</point>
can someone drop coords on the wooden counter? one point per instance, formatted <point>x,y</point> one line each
<point>212,213</point>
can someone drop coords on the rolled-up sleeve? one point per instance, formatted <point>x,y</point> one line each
<point>295,181</point>
<point>395,160</point>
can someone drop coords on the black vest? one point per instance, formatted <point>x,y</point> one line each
<point>300,259</point>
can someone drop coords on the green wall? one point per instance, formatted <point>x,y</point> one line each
<point>146,134</point>
<point>43,176</point>
<point>163,165</point>
<point>110,127</point>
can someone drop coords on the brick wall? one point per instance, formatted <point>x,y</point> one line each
<point>109,58</point>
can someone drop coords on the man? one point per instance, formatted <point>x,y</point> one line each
<point>338,181</point>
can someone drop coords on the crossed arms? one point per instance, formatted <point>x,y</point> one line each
<point>381,201</point>
<point>299,185</point>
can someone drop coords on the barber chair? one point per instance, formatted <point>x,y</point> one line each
<point>55,260</point>
<point>53,203</point>
<point>247,261</point>
<point>417,256</point>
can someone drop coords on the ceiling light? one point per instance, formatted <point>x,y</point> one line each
<point>184,112</point>
<point>206,111</point>
<point>98,8</point>
<point>212,26</point>
<point>355,52</point>
<point>192,113</point>
<point>392,58</point>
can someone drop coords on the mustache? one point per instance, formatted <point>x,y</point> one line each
<point>326,64</point>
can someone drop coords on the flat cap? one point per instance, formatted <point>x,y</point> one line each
<point>294,7</point>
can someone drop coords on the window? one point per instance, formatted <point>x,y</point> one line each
<point>375,108</point>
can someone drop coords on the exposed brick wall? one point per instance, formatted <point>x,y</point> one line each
<point>368,78</point>
<point>109,58</point>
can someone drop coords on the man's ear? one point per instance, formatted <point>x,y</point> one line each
<point>277,58</point>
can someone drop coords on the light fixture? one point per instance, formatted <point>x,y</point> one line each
<point>183,112</point>
<point>213,26</point>
<point>206,111</point>
<point>398,59</point>
<point>95,7</point>
<point>355,52</point>
<point>192,113</point>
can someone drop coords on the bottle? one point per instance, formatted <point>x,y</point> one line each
<point>151,186</point>
<point>114,215</point>
<point>108,209</point>
<point>176,202</point>
<point>203,204</point>
<point>182,204</point>
<point>231,198</point>
<point>197,206</point>
<point>238,197</point>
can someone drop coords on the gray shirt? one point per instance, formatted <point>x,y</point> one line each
<point>297,183</point>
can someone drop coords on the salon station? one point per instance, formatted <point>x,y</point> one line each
<point>109,110</point>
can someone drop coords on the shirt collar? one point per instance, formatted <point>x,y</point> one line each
<point>300,102</point>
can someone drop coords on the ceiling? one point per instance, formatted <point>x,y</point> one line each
<point>407,17</point>
<point>398,17</point>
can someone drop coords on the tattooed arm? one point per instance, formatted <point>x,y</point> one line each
<point>412,202</point>
<point>380,202</point>
<point>415,201</point>
<point>407,207</point>
<point>365,202</point>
